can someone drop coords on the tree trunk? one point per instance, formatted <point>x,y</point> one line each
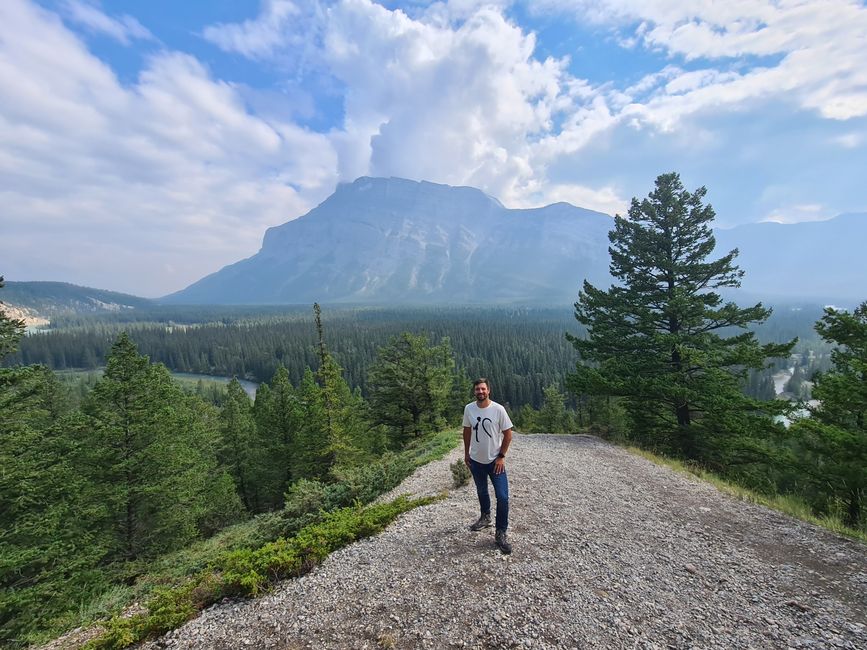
<point>853,514</point>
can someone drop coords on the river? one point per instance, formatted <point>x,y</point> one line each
<point>248,386</point>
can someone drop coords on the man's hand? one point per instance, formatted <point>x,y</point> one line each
<point>499,465</point>
<point>467,459</point>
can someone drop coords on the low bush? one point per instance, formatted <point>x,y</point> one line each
<point>247,572</point>
<point>460,473</point>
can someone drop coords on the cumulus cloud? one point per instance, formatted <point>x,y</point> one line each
<point>179,161</point>
<point>160,181</point>
<point>454,92</point>
<point>448,104</point>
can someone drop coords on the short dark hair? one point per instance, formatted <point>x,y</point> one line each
<point>482,380</point>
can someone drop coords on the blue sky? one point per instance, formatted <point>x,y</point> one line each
<point>144,145</point>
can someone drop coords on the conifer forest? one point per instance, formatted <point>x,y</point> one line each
<point>111,471</point>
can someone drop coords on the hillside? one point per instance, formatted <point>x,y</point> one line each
<point>43,300</point>
<point>611,551</point>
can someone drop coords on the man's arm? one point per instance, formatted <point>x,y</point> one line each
<point>500,463</point>
<point>468,432</point>
<point>507,440</point>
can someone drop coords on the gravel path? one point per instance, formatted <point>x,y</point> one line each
<point>610,551</point>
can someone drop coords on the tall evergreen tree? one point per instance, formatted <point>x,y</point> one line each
<point>278,419</point>
<point>655,336</point>
<point>552,417</point>
<point>835,437</point>
<point>411,385</point>
<point>47,554</point>
<point>239,450</point>
<point>151,450</point>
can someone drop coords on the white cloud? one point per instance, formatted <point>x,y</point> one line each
<point>280,26</point>
<point>448,103</point>
<point>815,48</point>
<point>798,213</point>
<point>852,140</point>
<point>124,29</point>
<point>604,199</point>
<point>171,172</point>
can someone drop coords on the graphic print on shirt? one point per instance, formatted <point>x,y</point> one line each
<point>479,421</point>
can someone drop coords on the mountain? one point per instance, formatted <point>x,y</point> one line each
<point>391,240</point>
<point>822,260</point>
<point>380,240</point>
<point>36,302</point>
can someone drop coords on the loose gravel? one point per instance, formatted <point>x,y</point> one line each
<point>610,551</point>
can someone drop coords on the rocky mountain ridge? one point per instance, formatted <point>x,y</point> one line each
<point>393,240</point>
<point>396,241</point>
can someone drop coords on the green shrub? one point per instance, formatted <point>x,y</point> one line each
<point>460,473</point>
<point>247,572</point>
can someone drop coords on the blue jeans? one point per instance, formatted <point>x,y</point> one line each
<point>481,473</point>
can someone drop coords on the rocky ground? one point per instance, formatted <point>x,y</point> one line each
<point>610,551</point>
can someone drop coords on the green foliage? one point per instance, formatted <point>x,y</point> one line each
<point>552,417</point>
<point>307,502</point>
<point>654,337</point>
<point>11,330</point>
<point>48,554</point>
<point>411,386</point>
<point>523,348</point>
<point>250,572</point>
<point>149,455</point>
<point>278,418</point>
<point>460,473</point>
<point>239,450</point>
<point>834,439</point>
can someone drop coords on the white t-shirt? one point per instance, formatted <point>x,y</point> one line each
<point>487,426</point>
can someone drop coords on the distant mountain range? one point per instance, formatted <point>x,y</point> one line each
<point>815,260</point>
<point>391,240</point>
<point>394,241</point>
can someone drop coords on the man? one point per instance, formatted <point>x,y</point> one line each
<point>487,436</point>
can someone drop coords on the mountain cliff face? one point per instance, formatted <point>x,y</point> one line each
<point>382,241</point>
<point>392,240</point>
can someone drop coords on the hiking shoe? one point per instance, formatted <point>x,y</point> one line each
<point>483,522</point>
<point>502,541</point>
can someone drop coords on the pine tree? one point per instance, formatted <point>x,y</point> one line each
<point>278,420</point>
<point>239,451</point>
<point>151,452</point>
<point>835,437</point>
<point>552,416</point>
<point>411,385</point>
<point>654,337</point>
<point>47,554</point>
<point>11,330</point>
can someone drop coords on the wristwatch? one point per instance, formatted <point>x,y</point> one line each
<point>501,455</point>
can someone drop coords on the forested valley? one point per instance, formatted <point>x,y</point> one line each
<point>522,349</point>
<point>116,494</point>
<point>125,486</point>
